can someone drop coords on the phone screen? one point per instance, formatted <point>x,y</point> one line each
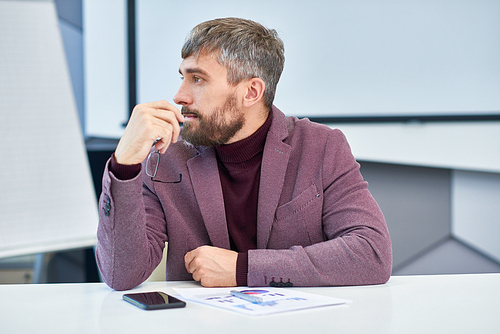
<point>153,300</point>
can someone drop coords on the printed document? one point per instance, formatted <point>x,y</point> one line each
<point>274,300</point>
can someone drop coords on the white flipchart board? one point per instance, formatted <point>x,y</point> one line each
<point>47,200</point>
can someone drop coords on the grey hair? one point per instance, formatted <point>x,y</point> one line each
<point>245,48</point>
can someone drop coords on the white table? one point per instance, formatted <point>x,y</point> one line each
<point>406,304</point>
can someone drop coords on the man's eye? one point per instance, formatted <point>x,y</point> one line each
<point>196,79</point>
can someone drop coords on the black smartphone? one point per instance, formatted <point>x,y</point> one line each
<point>153,300</point>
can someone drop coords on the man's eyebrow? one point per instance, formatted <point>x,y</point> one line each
<point>194,70</point>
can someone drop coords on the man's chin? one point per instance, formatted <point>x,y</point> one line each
<point>189,135</point>
<point>189,126</point>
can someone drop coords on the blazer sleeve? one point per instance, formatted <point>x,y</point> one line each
<point>356,247</point>
<point>130,238</point>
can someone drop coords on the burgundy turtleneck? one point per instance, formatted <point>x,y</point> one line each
<point>239,170</point>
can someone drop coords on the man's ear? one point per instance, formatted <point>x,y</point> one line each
<point>254,92</point>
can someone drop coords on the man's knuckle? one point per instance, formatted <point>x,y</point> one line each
<point>198,263</point>
<point>138,110</point>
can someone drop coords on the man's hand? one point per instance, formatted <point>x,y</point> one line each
<point>149,121</point>
<point>212,266</point>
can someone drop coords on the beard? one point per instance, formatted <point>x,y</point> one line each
<point>213,130</point>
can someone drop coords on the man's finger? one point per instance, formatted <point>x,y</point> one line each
<point>188,258</point>
<point>168,117</point>
<point>165,106</point>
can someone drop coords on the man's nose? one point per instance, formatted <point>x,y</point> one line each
<point>182,97</point>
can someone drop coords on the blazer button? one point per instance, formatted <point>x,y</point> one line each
<point>107,207</point>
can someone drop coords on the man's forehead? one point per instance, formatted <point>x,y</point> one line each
<point>203,64</point>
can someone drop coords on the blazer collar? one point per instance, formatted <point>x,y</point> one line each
<point>274,164</point>
<point>205,178</point>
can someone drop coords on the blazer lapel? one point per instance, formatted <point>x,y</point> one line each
<point>274,163</point>
<point>208,191</point>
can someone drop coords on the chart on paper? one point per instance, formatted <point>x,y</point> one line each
<point>274,300</point>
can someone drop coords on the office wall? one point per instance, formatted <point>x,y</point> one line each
<point>440,220</point>
<point>476,210</point>
<point>358,58</point>
<point>70,22</point>
<point>105,61</point>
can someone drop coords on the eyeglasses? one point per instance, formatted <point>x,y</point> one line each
<point>152,167</point>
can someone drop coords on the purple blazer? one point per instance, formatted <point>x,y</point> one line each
<point>317,223</point>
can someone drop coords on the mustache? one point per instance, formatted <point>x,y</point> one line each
<point>187,111</point>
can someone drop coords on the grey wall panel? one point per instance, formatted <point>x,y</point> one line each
<point>416,205</point>
<point>450,257</point>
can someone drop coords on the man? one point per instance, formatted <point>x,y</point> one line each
<point>245,195</point>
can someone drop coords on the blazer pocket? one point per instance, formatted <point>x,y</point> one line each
<point>298,203</point>
<point>298,222</point>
